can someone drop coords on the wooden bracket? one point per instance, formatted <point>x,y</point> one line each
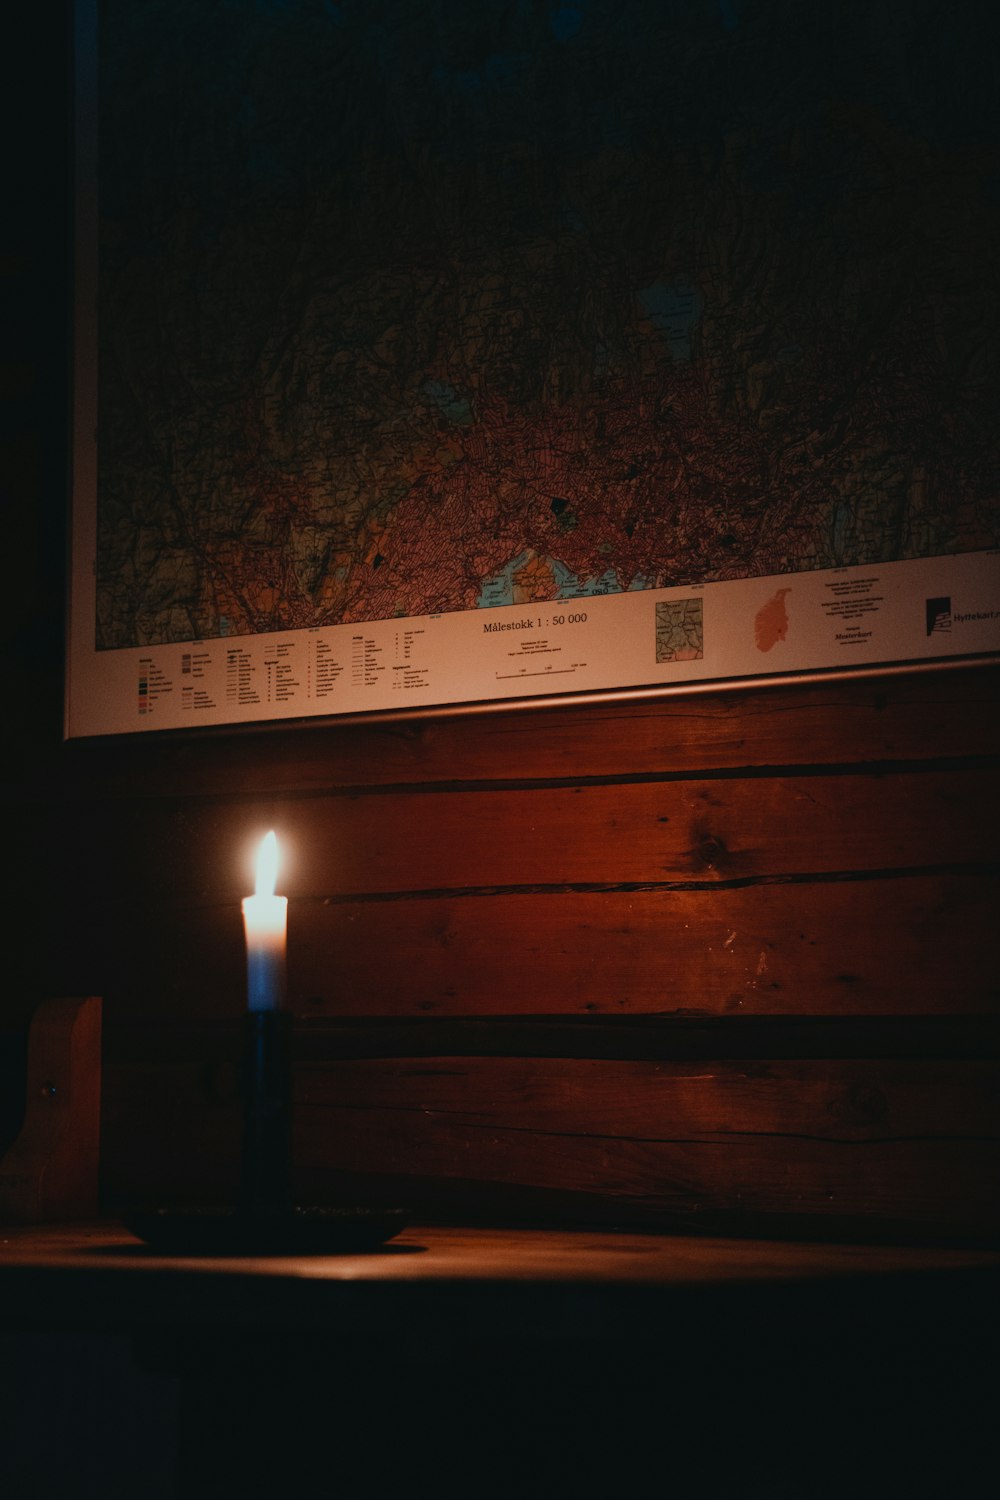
<point>51,1170</point>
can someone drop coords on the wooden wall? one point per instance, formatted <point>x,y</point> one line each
<point>723,961</point>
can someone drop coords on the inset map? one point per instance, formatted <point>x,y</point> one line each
<point>680,632</point>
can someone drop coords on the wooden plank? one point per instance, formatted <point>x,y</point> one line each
<point>830,1099</point>
<point>836,949</point>
<point>50,1171</point>
<point>447,1253</point>
<point>171,1104</point>
<point>922,1187</point>
<point>910,1142</point>
<point>674,831</point>
<point>919,945</point>
<point>696,830</point>
<point>916,716</point>
<point>914,1143</point>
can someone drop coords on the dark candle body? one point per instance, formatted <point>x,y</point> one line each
<point>267,1129</point>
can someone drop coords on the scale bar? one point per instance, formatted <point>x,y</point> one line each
<point>558,672</point>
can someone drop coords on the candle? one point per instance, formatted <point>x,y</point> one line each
<point>265,919</point>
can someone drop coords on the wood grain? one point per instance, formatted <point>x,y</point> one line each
<point>692,831</point>
<point>824,1099</point>
<point>907,1141</point>
<point>918,945</point>
<point>910,1142</point>
<point>811,856</point>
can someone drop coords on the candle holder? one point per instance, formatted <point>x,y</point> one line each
<point>265,1220</point>
<point>265,1165</point>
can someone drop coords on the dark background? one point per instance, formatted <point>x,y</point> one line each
<point>35,285</point>
<point>35,395</point>
<point>869,1066</point>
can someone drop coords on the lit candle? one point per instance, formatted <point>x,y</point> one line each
<point>265,920</point>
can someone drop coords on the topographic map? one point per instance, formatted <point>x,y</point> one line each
<point>416,306</point>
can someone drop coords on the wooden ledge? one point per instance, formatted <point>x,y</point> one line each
<point>498,1283</point>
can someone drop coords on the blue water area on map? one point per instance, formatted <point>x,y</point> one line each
<point>448,401</point>
<point>572,587</point>
<point>500,588</point>
<point>567,583</point>
<point>674,309</point>
<point>606,583</point>
<point>838,531</point>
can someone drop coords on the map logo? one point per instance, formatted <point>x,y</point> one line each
<point>938,616</point>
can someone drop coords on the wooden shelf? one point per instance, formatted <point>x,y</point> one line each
<point>487,1282</point>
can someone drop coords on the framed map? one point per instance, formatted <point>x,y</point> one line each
<point>434,353</point>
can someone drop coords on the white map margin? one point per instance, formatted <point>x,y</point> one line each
<point>842,620</point>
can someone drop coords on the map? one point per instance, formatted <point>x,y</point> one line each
<point>429,308</point>
<point>680,631</point>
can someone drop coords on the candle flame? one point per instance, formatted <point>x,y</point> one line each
<point>267,865</point>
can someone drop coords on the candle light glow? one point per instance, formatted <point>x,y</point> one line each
<point>265,918</point>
